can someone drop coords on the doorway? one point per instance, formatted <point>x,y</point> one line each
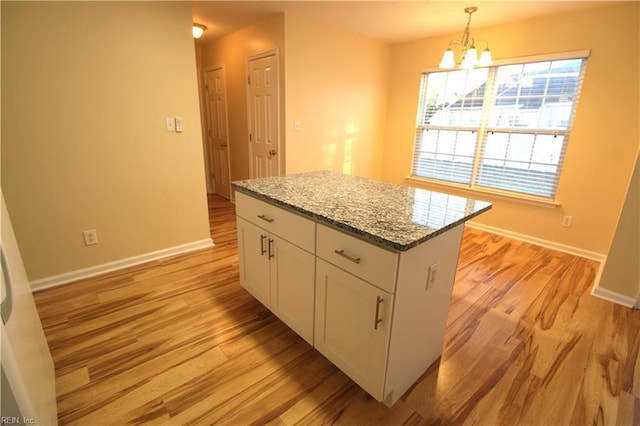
<point>217,131</point>
<point>263,109</point>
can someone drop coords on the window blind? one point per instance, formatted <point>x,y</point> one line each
<point>504,127</point>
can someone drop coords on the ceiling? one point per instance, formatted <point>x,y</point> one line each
<point>387,21</point>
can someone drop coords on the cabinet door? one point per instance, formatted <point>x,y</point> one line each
<point>352,326</point>
<point>253,244</point>
<point>292,286</point>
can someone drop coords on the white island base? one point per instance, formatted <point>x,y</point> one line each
<point>378,314</point>
<point>388,359</point>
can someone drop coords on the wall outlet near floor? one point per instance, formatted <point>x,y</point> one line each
<point>567,221</point>
<point>90,237</point>
<point>431,275</point>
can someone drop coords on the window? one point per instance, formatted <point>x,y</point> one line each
<point>505,127</point>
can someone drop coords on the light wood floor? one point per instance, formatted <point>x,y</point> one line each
<point>179,342</point>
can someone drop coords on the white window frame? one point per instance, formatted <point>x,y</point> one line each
<point>482,130</point>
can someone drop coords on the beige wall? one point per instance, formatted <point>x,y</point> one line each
<point>336,87</point>
<point>85,89</point>
<point>605,137</point>
<point>621,273</point>
<point>333,82</point>
<point>232,51</point>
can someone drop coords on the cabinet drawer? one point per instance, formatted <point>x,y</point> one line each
<point>367,261</point>
<point>289,226</point>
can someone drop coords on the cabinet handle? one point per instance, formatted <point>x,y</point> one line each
<point>265,218</point>
<point>271,254</point>
<point>346,256</point>
<point>378,320</point>
<point>262,249</point>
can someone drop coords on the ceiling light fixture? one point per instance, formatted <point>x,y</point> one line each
<point>468,53</point>
<point>198,30</point>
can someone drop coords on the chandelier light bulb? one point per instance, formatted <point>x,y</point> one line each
<point>448,60</point>
<point>485,59</point>
<point>470,59</point>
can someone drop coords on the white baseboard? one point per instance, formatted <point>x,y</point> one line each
<point>596,290</point>
<point>612,296</point>
<point>540,242</point>
<point>92,271</point>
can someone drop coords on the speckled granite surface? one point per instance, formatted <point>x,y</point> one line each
<point>393,216</point>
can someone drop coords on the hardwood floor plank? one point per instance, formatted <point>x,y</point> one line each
<point>178,341</point>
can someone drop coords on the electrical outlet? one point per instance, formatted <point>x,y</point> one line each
<point>90,237</point>
<point>178,125</point>
<point>431,275</point>
<point>567,221</point>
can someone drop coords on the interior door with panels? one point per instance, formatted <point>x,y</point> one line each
<point>264,115</point>
<point>217,131</point>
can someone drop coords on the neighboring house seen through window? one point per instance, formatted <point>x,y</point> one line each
<point>501,128</point>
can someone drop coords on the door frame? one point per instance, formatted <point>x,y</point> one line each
<point>209,149</point>
<point>280,158</point>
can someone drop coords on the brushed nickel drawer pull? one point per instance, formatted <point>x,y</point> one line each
<point>271,251</point>
<point>346,256</point>
<point>265,218</point>
<point>378,320</point>
<point>262,249</point>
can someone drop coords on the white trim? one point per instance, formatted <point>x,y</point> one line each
<point>505,195</point>
<point>612,296</point>
<point>540,242</point>
<point>92,271</point>
<point>574,54</point>
<point>596,290</point>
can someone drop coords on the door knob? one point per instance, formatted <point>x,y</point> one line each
<point>273,152</point>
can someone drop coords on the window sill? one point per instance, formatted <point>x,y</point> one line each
<point>531,200</point>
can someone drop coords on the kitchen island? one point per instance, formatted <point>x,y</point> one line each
<point>362,270</point>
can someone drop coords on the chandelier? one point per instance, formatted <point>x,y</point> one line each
<point>468,52</point>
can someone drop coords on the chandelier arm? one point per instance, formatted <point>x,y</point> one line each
<point>486,43</point>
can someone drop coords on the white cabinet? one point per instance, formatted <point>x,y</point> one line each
<point>352,327</point>
<point>292,285</point>
<point>254,260</point>
<point>373,264</point>
<point>277,272</point>
<point>380,315</point>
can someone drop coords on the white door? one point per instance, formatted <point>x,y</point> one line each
<point>217,131</point>
<point>352,326</point>
<point>264,116</point>
<point>28,377</point>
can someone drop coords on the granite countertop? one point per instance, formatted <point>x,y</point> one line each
<point>393,216</point>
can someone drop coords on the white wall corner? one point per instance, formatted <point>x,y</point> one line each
<point>611,296</point>
<point>614,297</point>
<point>80,274</point>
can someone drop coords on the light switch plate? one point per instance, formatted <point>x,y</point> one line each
<point>170,124</point>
